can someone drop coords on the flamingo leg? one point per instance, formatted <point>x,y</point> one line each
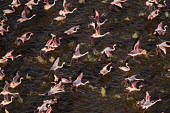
<point>91,40</point>
<point>126,58</point>
<point>160,38</point>
<point>71,61</point>
<point>79,91</point>
<point>136,60</point>
<point>57,73</point>
<point>157,52</point>
<point>48,74</point>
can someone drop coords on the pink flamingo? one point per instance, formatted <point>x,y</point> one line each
<point>6,91</point>
<point>65,10</point>
<point>16,3</point>
<point>107,51</point>
<point>24,38</point>
<point>55,79</point>
<point>154,14</point>
<point>56,66</point>
<point>59,18</point>
<point>4,60</point>
<point>162,5</point>
<point>77,54</point>
<point>64,80</point>
<point>145,104</point>
<point>6,101</point>
<point>78,82</point>
<point>133,87</point>
<point>48,6</point>
<point>31,2</point>
<point>2,74</point>
<point>56,89</point>
<point>117,3</point>
<point>125,68</point>
<point>162,46</point>
<point>159,30</point>
<point>23,17</point>
<point>45,50</point>
<point>2,30</point>
<point>104,70</point>
<point>136,51</point>
<point>97,34</point>
<point>72,30</point>
<point>10,56</point>
<point>9,11</point>
<point>132,78</point>
<point>97,18</point>
<point>55,44</point>
<point>15,83</point>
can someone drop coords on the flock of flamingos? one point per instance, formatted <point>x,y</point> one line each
<point>54,43</point>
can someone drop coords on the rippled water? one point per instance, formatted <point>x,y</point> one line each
<point>152,68</point>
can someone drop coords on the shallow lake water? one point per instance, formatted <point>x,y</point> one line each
<point>122,25</point>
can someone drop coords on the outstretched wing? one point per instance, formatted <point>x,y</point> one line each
<point>16,77</point>
<point>65,4</point>
<point>80,76</point>
<point>77,51</point>
<point>136,46</point>
<point>97,16</point>
<point>23,14</point>
<point>55,65</point>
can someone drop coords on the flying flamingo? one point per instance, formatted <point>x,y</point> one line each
<point>6,91</point>
<point>97,18</point>
<point>10,56</point>
<point>54,43</point>
<point>23,17</point>
<point>133,87</point>
<point>56,66</point>
<point>107,51</point>
<point>132,78</point>
<point>14,83</point>
<point>97,34</point>
<point>24,37</point>
<point>77,54</point>
<point>48,6</point>
<point>117,3</point>
<point>162,5</point>
<point>145,104</point>
<point>9,11</point>
<point>6,100</point>
<point>78,82</point>
<point>2,74</point>
<point>59,18</point>
<point>154,14</point>
<point>65,10</point>
<point>2,30</point>
<point>64,80</point>
<point>125,68</point>
<point>159,30</point>
<point>16,3</point>
<point>31,2</point>
<point>136,51</point>
<point>72,30</point>
<point>104,70</point>
<point>162,46</point>
<point>4,60</point>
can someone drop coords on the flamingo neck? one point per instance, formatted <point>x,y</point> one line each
<point>62,65</point>
<point>164,28</point>
<point>73,10</point>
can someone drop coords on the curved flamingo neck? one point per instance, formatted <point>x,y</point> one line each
<point>165,28</point>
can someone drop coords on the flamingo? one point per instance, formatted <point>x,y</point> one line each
<point>4,60</point>
<point>133,87</point>
<point>23,17</point>
<point>56,89</point>
<point>125,68</point>
<point>145,104</point>
<point>78,82</point>
<point>77,54</point>
<point>107,51</point>
<point>72,30</point>
<point>64,80</point>
<point>49,109</point>
<point>14,83</point>
<point>97,34</point>
<point>56,66</point>
<point>65,10</point>
<point>24,38</point>
<point>162,5</point>
<point>46,49</point>
<point>159,30</point>
<point>55,44</point>
<point>117,3</point>
<point>31,2</point>
<point>9,11</point>
<point>2,30</point>
<point>162,46</point>
<point>16,3</point>
<point>136,51</point>
<point>104,70</point>
<point>59,18</point>
<point>132,78</point>
<point>10,56</point>
<point>2,74</point>
<point>55,79</point>
<point>6,101</point>
<point>154,14</point>
<point>48,6</point>
<point>6,91</point>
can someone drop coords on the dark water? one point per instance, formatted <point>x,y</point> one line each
<point>152,68</point>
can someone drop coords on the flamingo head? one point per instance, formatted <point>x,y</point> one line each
<point>144,52</point>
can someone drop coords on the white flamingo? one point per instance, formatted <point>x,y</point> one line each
<point>104,70</point>
<point>162,46</point>
<point>2,74</point>
<point>72,30</point>
<point>78,82</point>
<point>16,3</point>
<point>107,51</point>
<point>125,68</point>
<point>6,101</point>
<point>31,2</point>
<point>9,11</point>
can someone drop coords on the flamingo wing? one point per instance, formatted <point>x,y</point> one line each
<point>105,67</point>
<point>98,30</point>
<point>48,43</point>
<point>80,76</point>
<point>8,53</point>
<point>160,26</point>
<point>6,86</point>
<point>23,14</point>
<point>136,46</point>
<point>134,83</point>
<point>16,78</point>
<point>55,65</point>
<point>65,4</point>
<point>77,51</point>
<point>97,16</point>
